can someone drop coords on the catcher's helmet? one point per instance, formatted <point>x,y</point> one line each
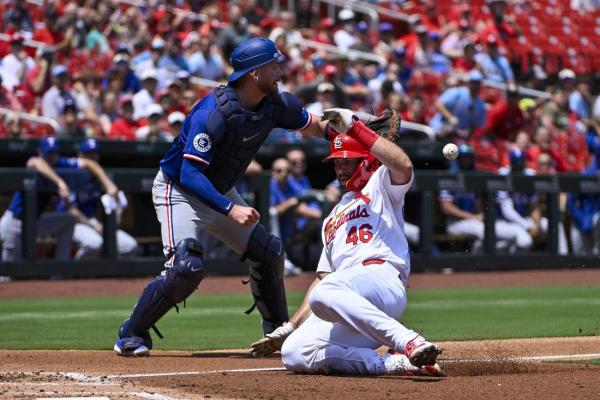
<point>344,146</point>
<point>251,54</point>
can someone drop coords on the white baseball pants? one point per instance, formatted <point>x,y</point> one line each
<point>505,231</point>
<point>89,241</point>
<point>181,216</point>
<point>355,311</point>
<point>58,225</point>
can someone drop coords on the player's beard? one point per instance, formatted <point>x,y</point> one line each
<point>268,88</point>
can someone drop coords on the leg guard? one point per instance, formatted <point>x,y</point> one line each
<point>266,277</point>
<point>165,291</point>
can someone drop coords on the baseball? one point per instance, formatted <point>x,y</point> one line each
<point>450,151</point>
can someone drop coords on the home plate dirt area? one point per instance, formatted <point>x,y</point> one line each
<point>511,369</point>
<point>498,369</point>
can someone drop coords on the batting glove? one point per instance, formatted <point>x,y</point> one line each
<point>273,341</point>
<point>340,119</point>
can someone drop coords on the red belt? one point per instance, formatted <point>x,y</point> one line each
<point>372,261</point>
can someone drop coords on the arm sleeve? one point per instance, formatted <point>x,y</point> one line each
<point>203,136</point>
<point>509,212</point>
<point>195,181</point>
<point>294,115</point>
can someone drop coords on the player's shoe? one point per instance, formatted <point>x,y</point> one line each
<point>132,346</point>
<point>421,352</point>
<point>398,364</point>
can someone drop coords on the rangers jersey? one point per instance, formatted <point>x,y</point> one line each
<point>366,226</point>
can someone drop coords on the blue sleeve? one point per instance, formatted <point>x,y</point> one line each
<point>576,212</point>
<point>204,130</point>
<point>449,98</point>
<point>481,116</point>
<point>195,181</point>
<point>294,115</point>
<point>507,70</point>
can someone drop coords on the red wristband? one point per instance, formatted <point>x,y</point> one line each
<point>364,135</point>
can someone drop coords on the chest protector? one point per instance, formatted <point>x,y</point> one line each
<point>245,132</point>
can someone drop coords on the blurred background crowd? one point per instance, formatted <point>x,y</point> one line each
<point>512,80</point>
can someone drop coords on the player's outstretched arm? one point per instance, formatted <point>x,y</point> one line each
<point>96,170</point>
<point>273,341</point>
<point>42,167</point>
<point>316,127</point>
<point>390,154</point>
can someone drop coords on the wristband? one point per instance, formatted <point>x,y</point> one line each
<point>362,134</point>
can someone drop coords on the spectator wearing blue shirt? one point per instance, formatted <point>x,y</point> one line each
<point>131,83</point>
<point>285,199</point>
<point>584,209</point>
<point>306,246</point>
<point>579,93</point>
<point>460,109</point>
<point>204,60</point>
<point>495,66</point>
<point>172,60</point>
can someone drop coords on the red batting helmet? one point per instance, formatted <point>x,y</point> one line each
<point>344,146</point>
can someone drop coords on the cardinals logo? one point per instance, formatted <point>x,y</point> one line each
<point>333,224</point>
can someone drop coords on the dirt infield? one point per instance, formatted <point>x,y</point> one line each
<point>508,369</point>
<point>475,370</point>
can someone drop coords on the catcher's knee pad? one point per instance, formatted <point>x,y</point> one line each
<point>266,277</point>
<point>165,291</point>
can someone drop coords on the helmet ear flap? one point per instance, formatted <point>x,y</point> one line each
<point>365,169</point>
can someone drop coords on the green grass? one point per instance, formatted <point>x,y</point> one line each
<point>217,322</point>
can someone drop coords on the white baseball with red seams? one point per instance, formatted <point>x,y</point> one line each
<point>356,308</point>
<point>450,151</point>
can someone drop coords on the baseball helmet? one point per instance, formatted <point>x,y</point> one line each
<point>344,146</point>
<point>251,54</point>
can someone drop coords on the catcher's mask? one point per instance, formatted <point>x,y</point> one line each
<point>344,146</point>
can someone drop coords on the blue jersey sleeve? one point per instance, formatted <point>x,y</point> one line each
<point>194,180</point>
<point>204,130</point>
<point>295,116</point>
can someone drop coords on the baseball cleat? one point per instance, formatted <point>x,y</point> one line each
<point>131,347</point>
<point>398,364</point>
<point>421,352</point>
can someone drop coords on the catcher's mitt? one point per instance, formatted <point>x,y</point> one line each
<point>387,125</point>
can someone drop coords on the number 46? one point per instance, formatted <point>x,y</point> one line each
<point>362,233</point>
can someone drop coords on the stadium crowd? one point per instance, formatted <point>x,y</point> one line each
<point>114,71</point>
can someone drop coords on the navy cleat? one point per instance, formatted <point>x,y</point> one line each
<point>132,346</point>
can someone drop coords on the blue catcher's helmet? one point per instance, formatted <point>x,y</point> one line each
<point>251,54</point>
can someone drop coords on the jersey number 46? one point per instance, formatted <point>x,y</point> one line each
<point>362,233</point>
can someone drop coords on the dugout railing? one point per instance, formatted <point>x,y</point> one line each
<point>426,187</point>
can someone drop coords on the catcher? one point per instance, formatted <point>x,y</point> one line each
<point>354,304</point>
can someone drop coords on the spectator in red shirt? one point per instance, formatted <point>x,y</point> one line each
<point>467,61</point>
<point>124,128</point>
<point>552,144</point>
<point>490,153</point>
<point>504,118</point>
<point>8,99</point>
<point>12,127</point>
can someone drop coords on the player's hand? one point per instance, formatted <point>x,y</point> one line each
<point>340,119</point>
<point>273,341</point>
<point>453,121</point>
<point>245,216</point>
<point>63,191</point>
